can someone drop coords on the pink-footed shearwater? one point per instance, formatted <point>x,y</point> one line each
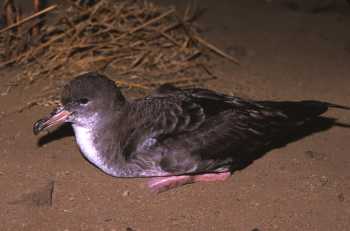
<point>173,136</point>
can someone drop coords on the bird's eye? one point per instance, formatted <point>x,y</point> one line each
<point>83,101</point>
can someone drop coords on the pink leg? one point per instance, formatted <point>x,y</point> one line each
<point>212,177</point>
<point>161,184</point>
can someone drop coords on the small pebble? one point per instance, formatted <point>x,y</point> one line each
<point>341,197</point>
<point>126,193</point>
<point>324,180</point>
<point>315,155</point>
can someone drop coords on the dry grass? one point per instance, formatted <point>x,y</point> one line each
<point>137,43</point>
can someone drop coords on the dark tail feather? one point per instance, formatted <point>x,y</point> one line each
<point>302,110</point>
<point>336,106</point>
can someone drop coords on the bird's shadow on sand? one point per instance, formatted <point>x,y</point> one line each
<point>316,125</point>
<point>65,130</point>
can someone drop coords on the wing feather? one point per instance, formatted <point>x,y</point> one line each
<point>197,130</point>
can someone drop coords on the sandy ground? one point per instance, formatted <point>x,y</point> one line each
<point>286,53</point>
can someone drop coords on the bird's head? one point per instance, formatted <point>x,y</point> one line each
<point>83,100</point>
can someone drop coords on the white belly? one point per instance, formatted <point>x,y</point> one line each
<point>85,140</point>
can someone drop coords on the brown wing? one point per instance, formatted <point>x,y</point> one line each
<point>196,130</point>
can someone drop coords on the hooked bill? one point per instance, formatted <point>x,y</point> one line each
<point>57,117</point>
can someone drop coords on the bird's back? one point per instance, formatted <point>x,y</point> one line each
<point>201,130</point>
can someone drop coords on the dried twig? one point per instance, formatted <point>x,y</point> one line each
<point>131,85</point>
<point>150,22</point>
<point>48,9</point>
<point>215,49</point>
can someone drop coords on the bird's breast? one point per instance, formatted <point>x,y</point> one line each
<point>86,141</point>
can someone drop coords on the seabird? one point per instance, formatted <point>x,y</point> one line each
<point>173,136</point>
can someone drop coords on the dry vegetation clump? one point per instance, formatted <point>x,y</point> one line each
<point>137,43</point>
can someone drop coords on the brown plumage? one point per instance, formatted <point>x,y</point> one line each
<point>173,132</point>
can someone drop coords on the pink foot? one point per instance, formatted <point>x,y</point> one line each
<point>162,184</point>
<point>212,177</point>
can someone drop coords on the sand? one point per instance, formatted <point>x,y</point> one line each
<point>286,53</point>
